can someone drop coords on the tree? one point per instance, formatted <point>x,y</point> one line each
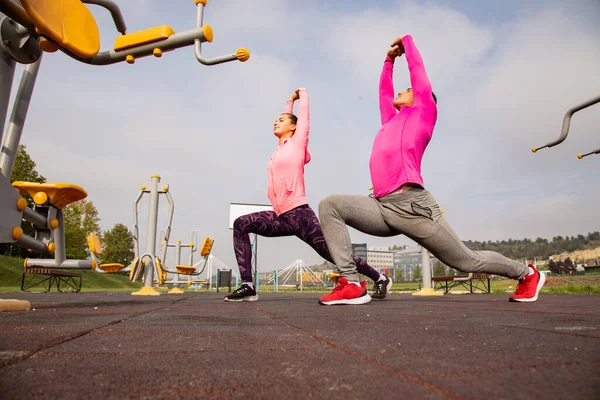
<point>117,245</point>
<point>81,219</point>
<point>439,269</point>
<point>23,170</point>
<point>417,273</point>
<point>24,167</point>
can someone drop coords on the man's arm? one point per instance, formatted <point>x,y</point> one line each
<point>419,81</point>
<point>386,87</point>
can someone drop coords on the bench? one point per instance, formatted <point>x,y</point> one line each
<point>47,277</point>
<point>469,282</point>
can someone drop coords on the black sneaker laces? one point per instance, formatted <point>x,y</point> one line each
<point>377,287</point>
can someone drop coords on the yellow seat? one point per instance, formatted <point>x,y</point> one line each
<point>134,269</point>
<point>185,269</point>
<point>67,22</point>
<point>111,268</point>
<point>206,246</point>
<point>142,37</point>
<point>60,195</point>
<point>94,244</point>
<point>162,275</point>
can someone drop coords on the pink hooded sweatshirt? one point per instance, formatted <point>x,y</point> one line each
<point>400,143</point>
<point>286,166</point>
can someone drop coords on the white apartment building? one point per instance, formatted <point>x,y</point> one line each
<point>380,258</point>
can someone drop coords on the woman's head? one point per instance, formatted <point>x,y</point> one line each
<point>407,98</point>
<point>285,126</point>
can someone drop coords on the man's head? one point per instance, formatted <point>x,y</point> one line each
<point>407,98</point>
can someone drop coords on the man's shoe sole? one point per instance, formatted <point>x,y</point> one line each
<point>537,291</point>
<point>247,298</point>
<point>359,300</point>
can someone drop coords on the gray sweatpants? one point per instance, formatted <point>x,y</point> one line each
<point>414,213</point>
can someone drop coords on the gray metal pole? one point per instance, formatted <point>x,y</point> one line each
<point>152,226</point>
<point>7,73</point>
<point>60,252</point>
<point>426,289</point>
<point>426,268</point>
<point>136,230</point>
<point>17,118</point>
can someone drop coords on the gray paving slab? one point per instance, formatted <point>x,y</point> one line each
<point>114,345</point>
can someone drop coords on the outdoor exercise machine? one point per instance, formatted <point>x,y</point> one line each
<point>149,267</point>
<point>39,26</point>
<point>566,125</point>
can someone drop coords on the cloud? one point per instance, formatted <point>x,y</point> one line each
<point>207,131</point>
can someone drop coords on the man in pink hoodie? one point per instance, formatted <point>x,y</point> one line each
<point>399,203</point>
<point>291,215</point>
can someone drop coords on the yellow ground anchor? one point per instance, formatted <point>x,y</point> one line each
<point>427,292</point>
<point>14,305</point>
<point>146,291</point>
<point>176,290</point>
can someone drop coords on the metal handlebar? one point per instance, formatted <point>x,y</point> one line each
<point>201,33</point>
<point>566,125</point>
<point>114,10</point>
<point>197,42</point>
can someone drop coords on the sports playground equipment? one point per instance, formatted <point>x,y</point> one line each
<point>567,124</point>
<point>147,264</point>
<point>296,274</point>
<point>26,32</point>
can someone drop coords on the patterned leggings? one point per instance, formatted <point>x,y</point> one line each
<point>301,222</point>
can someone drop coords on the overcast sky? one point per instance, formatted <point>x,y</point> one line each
<point>505,73</point>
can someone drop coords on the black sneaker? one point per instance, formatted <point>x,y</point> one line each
<point>244,293</point>
<point>381,288</point>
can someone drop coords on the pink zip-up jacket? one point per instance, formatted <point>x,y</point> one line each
<point>400,143</point>
<point>286,166</point>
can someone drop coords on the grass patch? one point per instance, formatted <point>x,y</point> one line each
<point>11,272</point>
<point>11,275</point>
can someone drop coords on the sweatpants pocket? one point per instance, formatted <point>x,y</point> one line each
<point>413,213</point>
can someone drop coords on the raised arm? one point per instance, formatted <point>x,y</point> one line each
<point>289,106</point>
<point>303,124</point>
<point>419,81</point>
<point>386,91</point>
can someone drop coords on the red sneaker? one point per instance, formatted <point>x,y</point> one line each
<point>347,293</point>
<point>529,287</point>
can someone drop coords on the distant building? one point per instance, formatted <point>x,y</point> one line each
<point>405,262</point>
<point>380,258</point>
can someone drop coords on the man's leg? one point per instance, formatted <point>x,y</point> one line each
<point>311,233</point>
<point>416,214</point>
<point>336,213</point>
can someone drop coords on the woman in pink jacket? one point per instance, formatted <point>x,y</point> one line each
<point>291,215</point>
